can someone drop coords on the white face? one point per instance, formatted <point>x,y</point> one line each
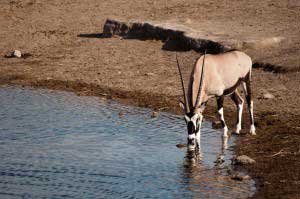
<point>193,125</point>
<point>194,119</point>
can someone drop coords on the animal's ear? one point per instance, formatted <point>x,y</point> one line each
<point>182,106</point>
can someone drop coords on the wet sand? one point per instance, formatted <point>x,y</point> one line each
<point>141,73</point>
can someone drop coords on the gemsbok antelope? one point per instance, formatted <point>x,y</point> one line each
<point>217,76</point>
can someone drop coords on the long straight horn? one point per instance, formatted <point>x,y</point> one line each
<point>201,83</point>
<point>187,109</point>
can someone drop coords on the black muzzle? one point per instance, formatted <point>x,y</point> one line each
<point>191,141</point>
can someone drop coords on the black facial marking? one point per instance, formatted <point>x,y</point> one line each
<point>190,114</point>
<point>191,128</point>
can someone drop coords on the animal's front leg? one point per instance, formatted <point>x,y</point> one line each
<point>198,132</point>
<point>221,115</point>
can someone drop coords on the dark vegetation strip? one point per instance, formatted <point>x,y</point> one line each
<point>175,40</point>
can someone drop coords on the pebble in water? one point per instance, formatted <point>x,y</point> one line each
<point>243,160</point>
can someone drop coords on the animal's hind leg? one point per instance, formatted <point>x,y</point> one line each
<point>238,100</point>
<point>247,91</point>
<point>220,101</point>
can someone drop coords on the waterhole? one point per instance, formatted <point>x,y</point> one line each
<point>55,144</point>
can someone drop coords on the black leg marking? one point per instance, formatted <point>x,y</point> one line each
<point>248,93</point>
<point>220,102</point>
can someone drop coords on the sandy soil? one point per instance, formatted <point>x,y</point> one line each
<point>141,73</point>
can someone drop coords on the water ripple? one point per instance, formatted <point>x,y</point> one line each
<point>58,145</point>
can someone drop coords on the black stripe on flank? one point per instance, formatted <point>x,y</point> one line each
<point>230,90</point>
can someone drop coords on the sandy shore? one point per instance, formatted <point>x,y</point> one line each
<point>141,73</point>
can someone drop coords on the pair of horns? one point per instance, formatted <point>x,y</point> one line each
<point>187,107</point>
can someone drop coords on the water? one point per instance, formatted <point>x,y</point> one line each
<point>58,145</point>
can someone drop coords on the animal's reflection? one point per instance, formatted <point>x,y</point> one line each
<point>221,156</point>
<point>194,153</point>
<point>199,178</point>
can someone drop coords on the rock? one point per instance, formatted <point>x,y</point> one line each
<point>220,160</point>
<point>154,114</point>
<point>240,177</point>
<point>267,183</point>
<point>121,113</point>
<point>268,96</point>
<point>216,124</point>
<point>103,98</point>
<point>243,160</point>
<point>17,53</point>
<point>180,145</point>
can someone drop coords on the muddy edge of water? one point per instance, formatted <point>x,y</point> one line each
<point>275,148</point>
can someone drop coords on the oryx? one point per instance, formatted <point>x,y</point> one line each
<point>217,76</point>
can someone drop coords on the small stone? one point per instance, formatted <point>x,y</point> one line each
<point>121,113</point>
<point>149,74</point>
<point>216,125</point>
<point>17,53</point>
<point>220,160</point>
<point>243,160</point>
<point>240,177</point>
<point>180,145</point>
<point>154,114</point>
<point>268,96</point>
<point>102,98</point>
<point>282,181</point>
<point>267,183</point>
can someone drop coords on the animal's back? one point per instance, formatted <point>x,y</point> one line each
<point>222,71</point>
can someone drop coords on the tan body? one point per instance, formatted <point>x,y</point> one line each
<point>222,74</point>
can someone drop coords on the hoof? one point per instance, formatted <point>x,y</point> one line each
<point>237,132</point>
<point>252,133</point>
<point>252,130</point>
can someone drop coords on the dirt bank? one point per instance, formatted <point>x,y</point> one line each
<point>140,72</point>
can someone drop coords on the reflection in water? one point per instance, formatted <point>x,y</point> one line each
<point>59,145</point>
<point>214,181</point>
<point>194,152</point>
